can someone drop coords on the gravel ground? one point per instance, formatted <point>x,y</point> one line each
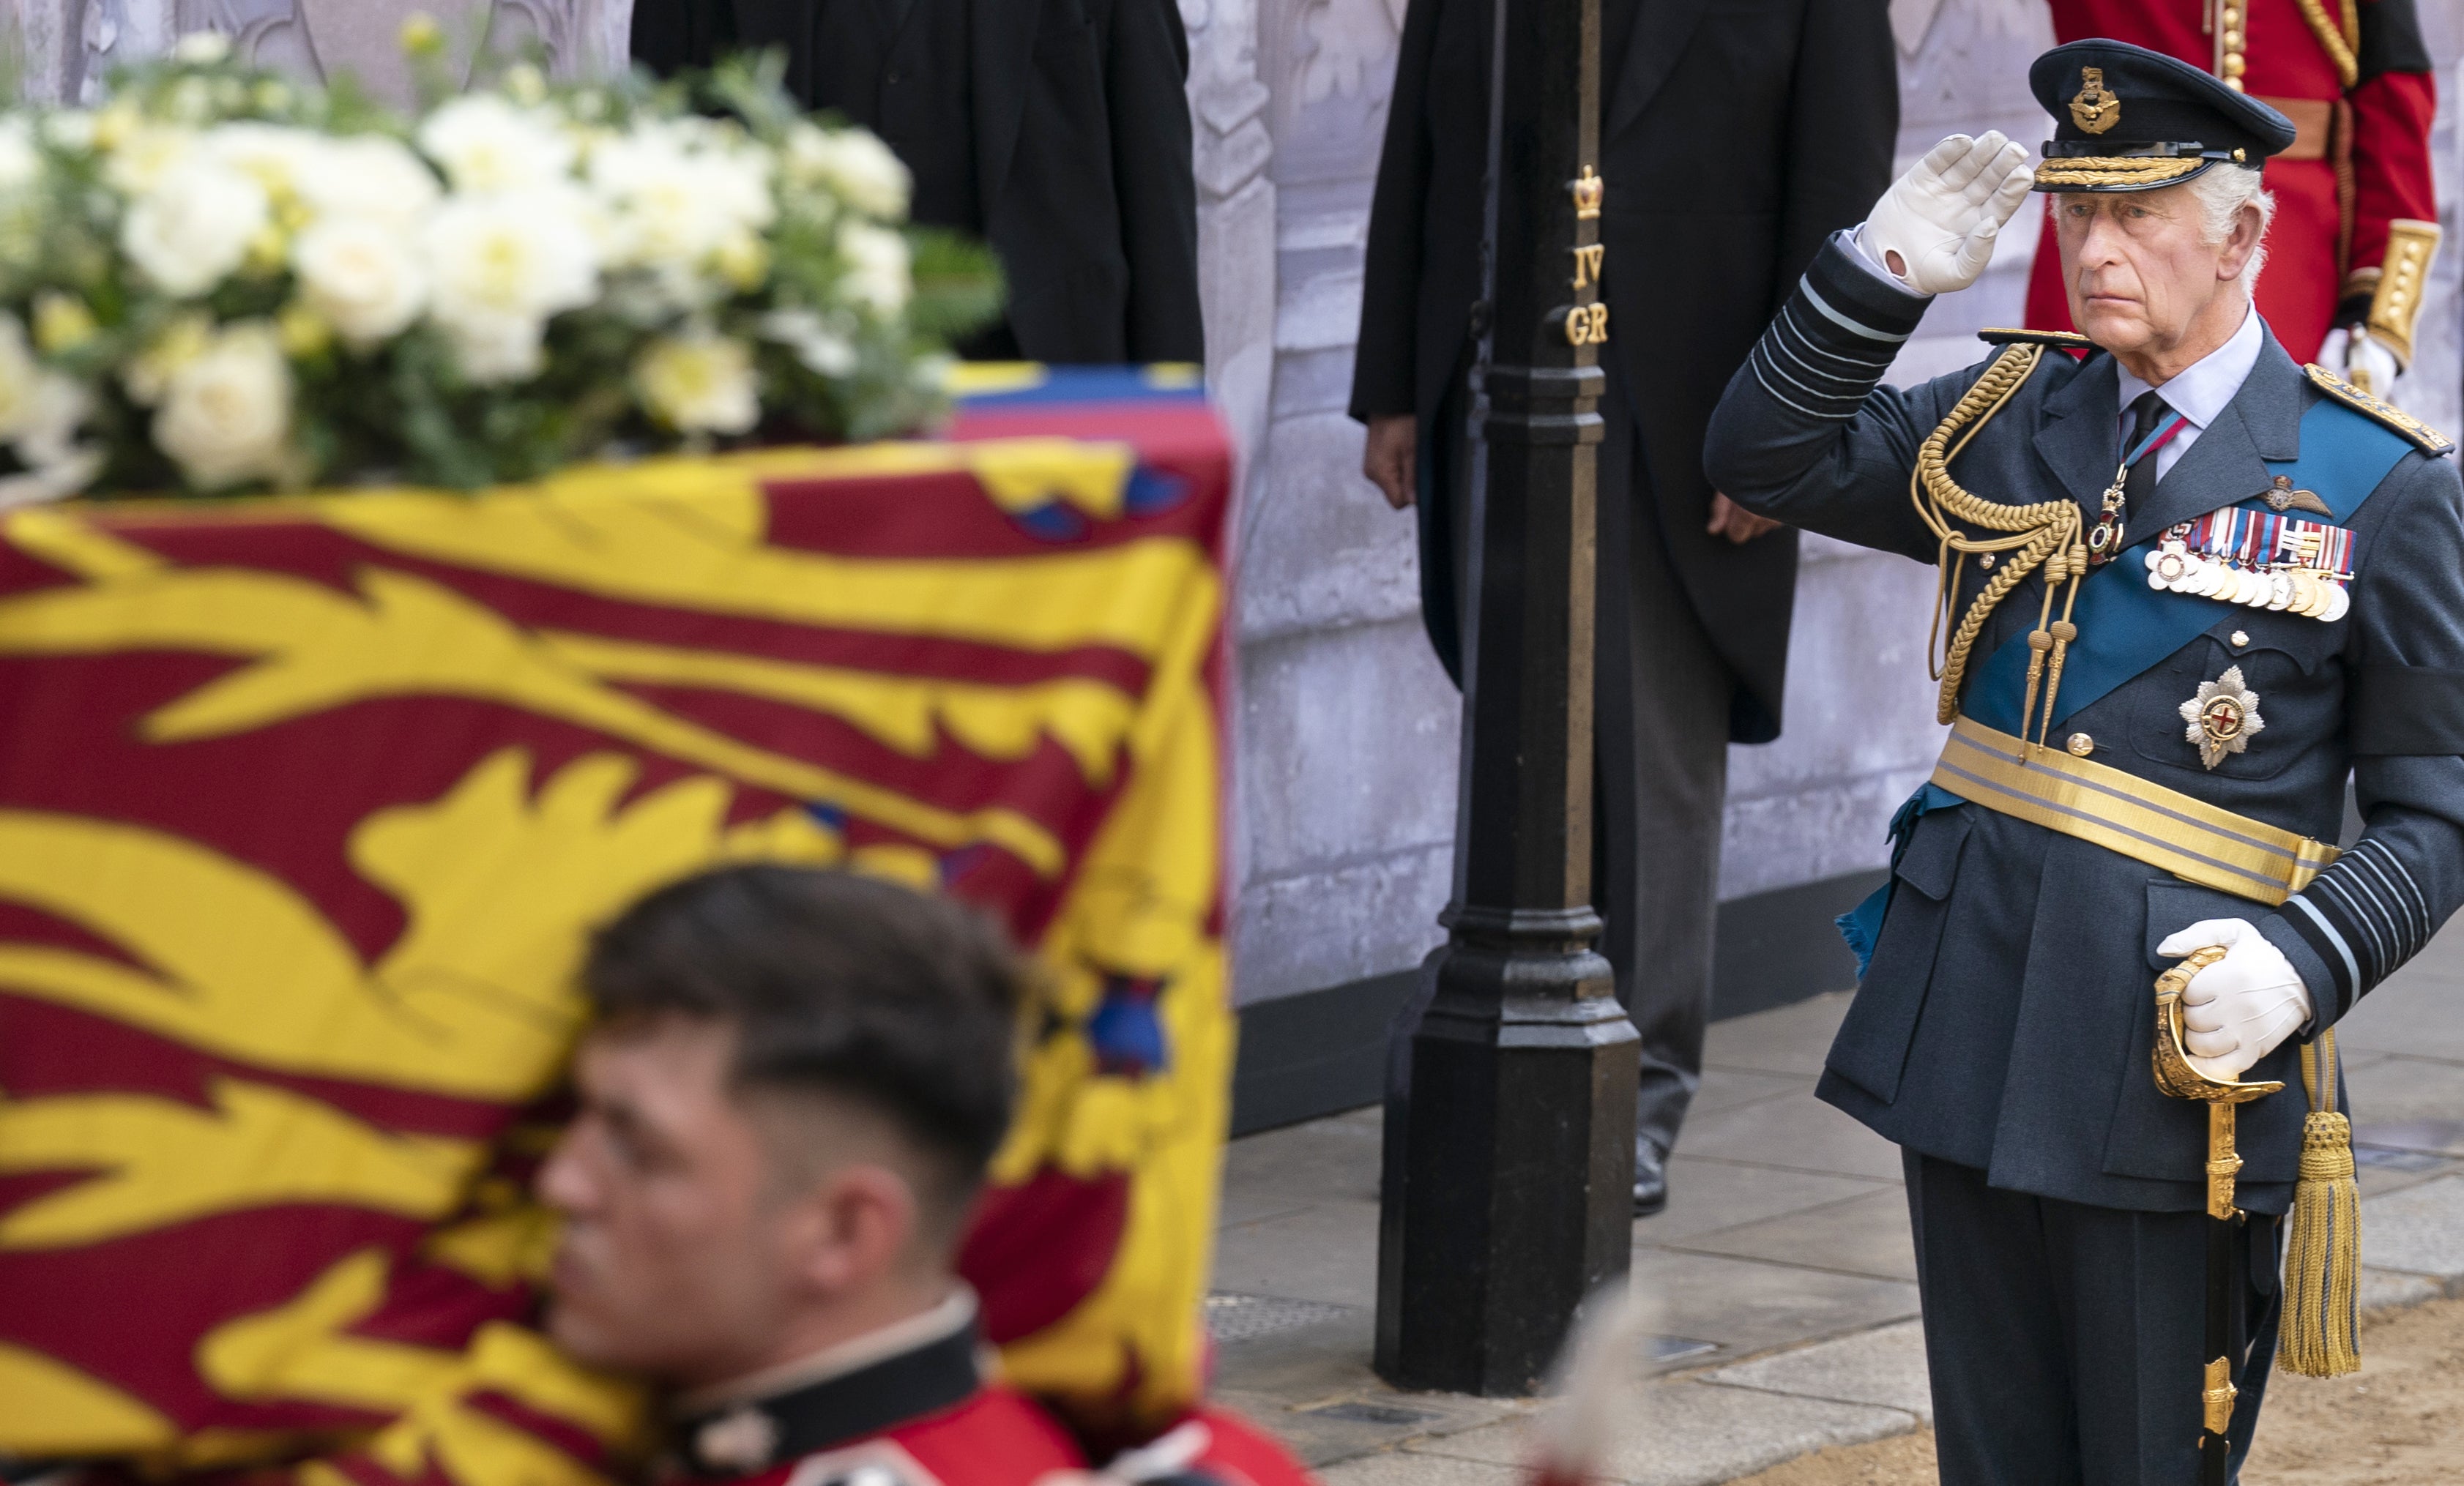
<point>2398,1422</point>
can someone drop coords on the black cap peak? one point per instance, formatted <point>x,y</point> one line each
<point>2126,119</point>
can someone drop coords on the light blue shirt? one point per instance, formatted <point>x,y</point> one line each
<point>2200,393</point>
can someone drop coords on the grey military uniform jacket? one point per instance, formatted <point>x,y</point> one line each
<point>2006,1020</point>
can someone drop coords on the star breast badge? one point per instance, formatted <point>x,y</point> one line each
<point>2222,718</point>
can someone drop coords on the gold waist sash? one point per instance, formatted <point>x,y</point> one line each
<point>2165,828</point>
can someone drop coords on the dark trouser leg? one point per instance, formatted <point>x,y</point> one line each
<point>1661,747</point>
<point>2065,1341</point>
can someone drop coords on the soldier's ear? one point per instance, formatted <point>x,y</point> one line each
<point>850,1232</point>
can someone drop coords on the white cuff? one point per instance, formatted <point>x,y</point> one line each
<point>1872,262</point>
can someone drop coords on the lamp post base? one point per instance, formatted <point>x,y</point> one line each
<point>1521,1074</point>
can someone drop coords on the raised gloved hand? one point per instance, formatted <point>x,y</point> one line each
<point>2361,360</point>
<point>2237,1010</point>
<point>1934,229</point>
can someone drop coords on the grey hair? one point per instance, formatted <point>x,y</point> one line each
<point>2222,192</point>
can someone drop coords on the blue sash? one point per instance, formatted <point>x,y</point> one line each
<point>2126,627</point>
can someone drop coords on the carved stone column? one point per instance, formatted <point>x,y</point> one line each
<point>1236,212</point>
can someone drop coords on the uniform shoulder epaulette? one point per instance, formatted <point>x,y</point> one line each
<point>2429,439</point>
<point>2059,339</point>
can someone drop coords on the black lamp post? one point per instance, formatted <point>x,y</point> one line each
<point>1510,1147</point>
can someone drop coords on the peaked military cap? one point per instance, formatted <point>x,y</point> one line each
<point>2126,119</point>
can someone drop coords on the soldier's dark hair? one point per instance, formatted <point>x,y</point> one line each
<point>835,985</point>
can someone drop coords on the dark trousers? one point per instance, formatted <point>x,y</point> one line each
<point>1660,708</point>
<point>2066,1341</point>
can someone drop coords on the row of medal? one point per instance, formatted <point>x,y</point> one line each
<point>2254,557</point>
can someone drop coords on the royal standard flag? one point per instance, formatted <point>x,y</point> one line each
<point>308,805</point>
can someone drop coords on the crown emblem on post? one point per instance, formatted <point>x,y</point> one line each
<point>1587,189</point>
<point>2096,108</point>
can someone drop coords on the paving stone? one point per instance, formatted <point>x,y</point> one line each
<point>1865,1235</point>
<point>1685,1434</point>
<point>1333,1159</point>
<point>1726,1088</point>
<point>2386,1290</point>
<point>1747,1306</point>
<point>2397,1090</point>
<point>1418,1470</point>
<point>2414,1014</point>
<point>2419,1230</point>
<point>2381,1171</point>
<point>1885,1366</point>
<point>1707,1195</point>
<point>1791,1040</point>
<point>1326,1252</point>
<point>1314,1390</point>
<point>1798,1133</point>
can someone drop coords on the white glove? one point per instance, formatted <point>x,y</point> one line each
<point>2359,360</point>
<point>2237,1010</point>
<point>1934,229</point>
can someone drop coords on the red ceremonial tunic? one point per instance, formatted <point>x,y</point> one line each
<point>2378,130</point>
<point>920,1417</point>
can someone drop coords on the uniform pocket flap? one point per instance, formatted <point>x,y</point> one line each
<point>1931,862</point>
<point>2174,907</point>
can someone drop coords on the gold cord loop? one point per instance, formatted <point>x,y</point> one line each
<point>2044,534</point>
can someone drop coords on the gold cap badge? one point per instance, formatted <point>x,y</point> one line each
<point>2096,109</point>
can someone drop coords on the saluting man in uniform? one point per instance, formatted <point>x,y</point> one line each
<point>2190,588</point>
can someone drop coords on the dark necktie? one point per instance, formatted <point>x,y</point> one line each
<point>2146,410</point>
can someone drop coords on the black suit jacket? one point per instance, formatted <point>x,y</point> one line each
<point>1735,134</point>
<point>1081,154</point>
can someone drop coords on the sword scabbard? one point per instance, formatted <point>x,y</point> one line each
<point>2224,1162</point>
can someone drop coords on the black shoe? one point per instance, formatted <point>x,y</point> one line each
<point>1650,1177</point>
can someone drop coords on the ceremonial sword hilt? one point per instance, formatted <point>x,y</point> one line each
<point>2177,1077</point>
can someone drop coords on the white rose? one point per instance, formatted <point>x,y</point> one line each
<point>190,232</point>
<point>59,408</point>
<point>852,165</point>
<point>371,178</point>
<point>149,155</point>
<point>56,465</point>
<point>485,143</point>
<point>20,164</point>
<point>498,268</point>
<point>270,155</point>
<point>676,195</point>
<point>815,342</point>
<point>226,414</point>
<point>500,349</point>
<point>699,382</point>
<point>202,48</point>
<point>19,372</point>
<point>69,129</point>
<point>876,267</point>
<point>362,278</point>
